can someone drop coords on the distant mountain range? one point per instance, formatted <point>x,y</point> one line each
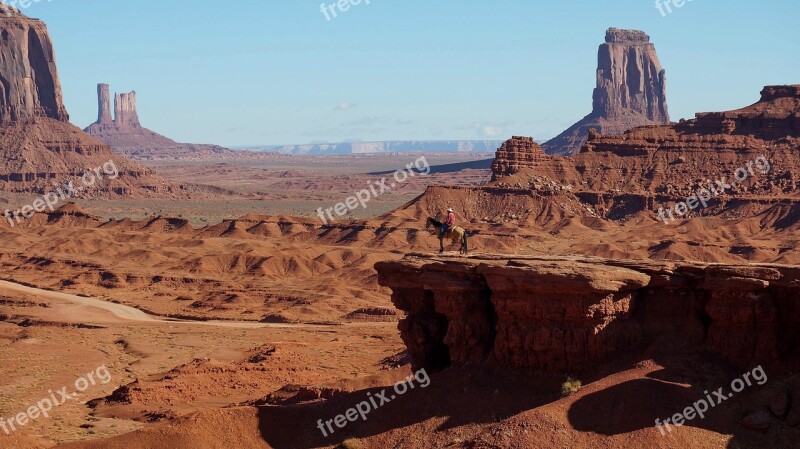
<point>452,146</point>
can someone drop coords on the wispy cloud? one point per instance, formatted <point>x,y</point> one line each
<point>344,106</point>
<point>487,130</point>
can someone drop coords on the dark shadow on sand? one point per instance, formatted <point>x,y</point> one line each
<point>461,396</point>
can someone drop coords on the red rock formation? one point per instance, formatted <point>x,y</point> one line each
<point>651,167</point>
<point>128,137</point>
<point>103,108</point>
<point>38,146</point>
<point>125,115</point>
<point>30,87</point>
<point>568,314</point>
<point>516,153</point>
<point>630,92</point>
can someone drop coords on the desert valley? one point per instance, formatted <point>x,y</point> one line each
<point>633,282</point>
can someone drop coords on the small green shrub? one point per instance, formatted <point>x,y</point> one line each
<point>570,387</point>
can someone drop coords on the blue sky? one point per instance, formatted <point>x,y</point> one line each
<point>247,72</point>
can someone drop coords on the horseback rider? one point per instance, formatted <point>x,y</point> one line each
<point>449,223</point>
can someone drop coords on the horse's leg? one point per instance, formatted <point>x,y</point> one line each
<point>441,244</point>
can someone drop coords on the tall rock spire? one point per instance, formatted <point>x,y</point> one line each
<point>125,115</point>
<point>103,105</point>
<point>630,77</point>
<point>631,91</point>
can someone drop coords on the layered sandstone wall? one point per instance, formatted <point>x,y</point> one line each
<point>569,314</point>
<point>652,167</point>
<point>515,154</point>
<point>30,86</point>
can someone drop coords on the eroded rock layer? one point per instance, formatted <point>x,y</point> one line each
<point>631,91</point>
<point>515,154</point>
<point>570,314</point>
<point>652,167</point>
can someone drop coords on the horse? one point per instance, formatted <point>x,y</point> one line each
<point>456,233</point>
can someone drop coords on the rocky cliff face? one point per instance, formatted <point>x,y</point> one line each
<point>30,87</point>
<point>570,314</point>
<point>630,92</point>
<point>38,146</point>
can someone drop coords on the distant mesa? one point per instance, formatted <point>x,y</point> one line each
<point>126,135</point>
<point>631,91</point>
<point>399,146</point>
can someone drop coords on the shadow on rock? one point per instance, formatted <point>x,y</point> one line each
<point>462,396</point>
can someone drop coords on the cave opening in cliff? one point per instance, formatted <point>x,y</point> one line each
<point>437,355</point>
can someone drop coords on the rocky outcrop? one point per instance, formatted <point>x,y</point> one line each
<point>515,154</point>
<point>128,137</point>
<point>630,92</point>
<point>29,85</point>
<point>651,167</point>
<point>39,148</point>
<point>674,160</point>
<point>569,314</point>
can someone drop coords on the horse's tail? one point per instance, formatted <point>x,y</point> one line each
<point>464,244</point>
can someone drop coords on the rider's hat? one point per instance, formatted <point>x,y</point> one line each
<point>449,209</point>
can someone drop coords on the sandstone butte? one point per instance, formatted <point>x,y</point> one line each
<point>126,135</point>
<point>38,145</point>
<point>631,91</point>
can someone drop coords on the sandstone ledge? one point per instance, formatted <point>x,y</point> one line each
<point>568,314</point>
